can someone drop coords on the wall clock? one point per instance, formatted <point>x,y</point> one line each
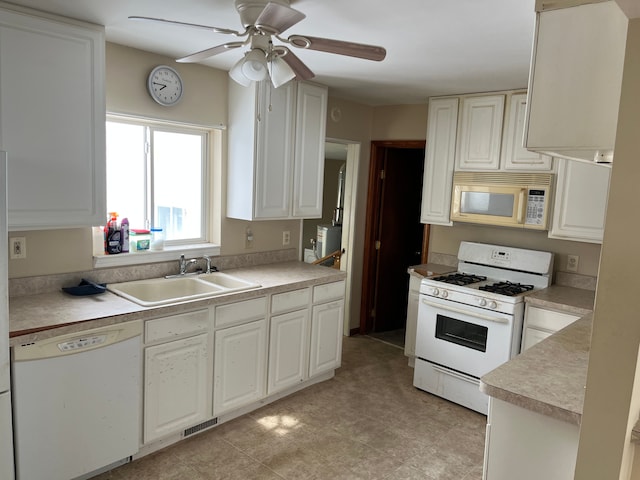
<point>165,85</point>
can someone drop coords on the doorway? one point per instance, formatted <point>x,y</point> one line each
<point>347,152</point>
<point>394,237</point>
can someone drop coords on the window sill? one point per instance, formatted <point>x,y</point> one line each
<point>169,253</point>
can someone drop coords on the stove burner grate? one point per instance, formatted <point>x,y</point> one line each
<point>460,278</point>
<point>506,288</point>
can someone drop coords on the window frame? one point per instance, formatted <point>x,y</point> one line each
<point>194,246</point>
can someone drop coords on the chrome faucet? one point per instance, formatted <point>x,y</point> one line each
<point>184,264</point>
<point>210,268</point>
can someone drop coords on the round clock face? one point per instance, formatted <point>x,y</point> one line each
<point>165,85</point>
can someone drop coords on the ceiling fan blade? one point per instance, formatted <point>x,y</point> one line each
<point>350,49</point>
<point>185,24</point>
<point>209,52</point>
<point>301,70</point>
<point>276,18</point>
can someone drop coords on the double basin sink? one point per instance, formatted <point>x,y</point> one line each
<point>162,291</point>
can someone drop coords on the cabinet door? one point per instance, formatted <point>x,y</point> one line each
<point>274,151</point>
<point>288,350</point>
<point>480,133</point>
<point>326,337</point>
<point>580,207</point>
<point>412,317</point>
<point>240,366</point>
<point>311,119</point>
<point>177,386</point>
<point>576,79</point>
<point>514,155</point>
<point>439,160</point>
<point>52,121</point>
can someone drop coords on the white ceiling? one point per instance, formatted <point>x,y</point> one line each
<point>434,47</point>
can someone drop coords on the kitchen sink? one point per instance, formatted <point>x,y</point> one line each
<point>227,281</point>
<point>162,291</point>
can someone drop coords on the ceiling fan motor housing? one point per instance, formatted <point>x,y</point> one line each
<point>250,10</point>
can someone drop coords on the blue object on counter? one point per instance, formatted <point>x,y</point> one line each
<point>86,287</point>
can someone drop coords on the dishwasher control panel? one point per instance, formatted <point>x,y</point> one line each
<point>76,342</point>
<point>82,342</point>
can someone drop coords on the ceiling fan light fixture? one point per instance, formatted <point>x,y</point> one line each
<point>236,74</point>
<point>254,65</point>
<point>281,72</point>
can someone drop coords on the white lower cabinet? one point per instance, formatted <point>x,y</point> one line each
<point>526,445</point>
<point>326,337</point>
<point>177,374</point>
<point>539,323</point>
<point>327,318</point>
<point>227,359</point>
<point>239,366</point>
<point>288,350</point>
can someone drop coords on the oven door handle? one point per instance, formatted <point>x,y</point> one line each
<point>489,318</point>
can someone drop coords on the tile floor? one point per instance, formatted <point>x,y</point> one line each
<point>368,422</point>
<point>394,337</point>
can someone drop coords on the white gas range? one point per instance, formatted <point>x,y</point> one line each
<point>470,322</point>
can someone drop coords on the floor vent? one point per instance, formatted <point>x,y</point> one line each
<point>200,427</point>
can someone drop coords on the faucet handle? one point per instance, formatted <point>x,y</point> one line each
<point>208,260</point>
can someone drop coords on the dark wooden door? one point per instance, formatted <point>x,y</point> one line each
<point>395,234</point>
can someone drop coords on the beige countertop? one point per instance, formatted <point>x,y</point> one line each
<point>550,377</point>
<point>36,317</point>
<point>565,299</point>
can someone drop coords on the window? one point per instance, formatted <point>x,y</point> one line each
<point>157,177</point>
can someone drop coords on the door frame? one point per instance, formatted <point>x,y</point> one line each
<point>348,223</point>
<point>378,150</point>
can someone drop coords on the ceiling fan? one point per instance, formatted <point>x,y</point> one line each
<point>263,21</point>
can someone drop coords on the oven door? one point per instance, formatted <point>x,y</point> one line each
<point>464,338</point>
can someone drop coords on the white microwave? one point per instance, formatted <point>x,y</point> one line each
<point>505,199</point>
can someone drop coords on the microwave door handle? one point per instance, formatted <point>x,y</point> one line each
<point>523,206</point>
<point>489,318</point>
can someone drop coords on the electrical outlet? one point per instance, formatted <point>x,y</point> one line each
<point>286,237</point>
<point>248,240</point>
<point>17,248</point>
<point>572,263</point>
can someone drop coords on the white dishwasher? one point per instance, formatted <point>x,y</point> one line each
<point>76,402</point>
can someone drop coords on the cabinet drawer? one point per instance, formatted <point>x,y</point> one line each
<point>283,302</point>
<point>328,291</point>
<point>548,319</point>
<point>239,312</point>
<point>176,326</point>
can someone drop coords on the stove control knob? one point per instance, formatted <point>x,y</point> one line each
<point>435,291</point>
<point>493,305</point>
<point>445,294</point>
<point>482,302</point>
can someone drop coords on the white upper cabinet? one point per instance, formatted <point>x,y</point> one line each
<point>52,120</point>
<point>580,206</point>
<point>439,160</point>
<point>276,151</point>
<point>480,133</point>
<point>575,81</point>
<point>514,155</point>
<point>311,119</point>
